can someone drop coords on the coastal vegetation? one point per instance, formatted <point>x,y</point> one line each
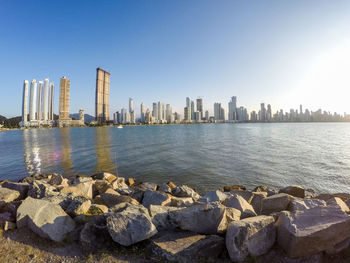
<point>111,218</point>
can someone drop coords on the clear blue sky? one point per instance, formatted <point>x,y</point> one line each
<point>278,52</point>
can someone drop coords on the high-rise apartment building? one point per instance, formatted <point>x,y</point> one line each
<point>102,95</point>
<point>192,110</point>
<point>269,113</point>
<point>32,101</point>
<point>45,98</point>
<point>51,92</point>
<point>155,111</point>
<point>64,98</point>
<point>142,112</point>
<point>39,101</point>
<point>232,109</point>
<point>25,102</point>
<point>217,111</point>
<point>200,107</point>
<point>131,105</point>
<point>262,112</point>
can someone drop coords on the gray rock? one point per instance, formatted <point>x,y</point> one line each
<point>7,196</point>
<point>63,200</point>
<point>155,198</point>
<point>165,188</point>
<point>256,201</point>
<point>104,176</point>
<point>119,183</point>
<point>300,205</point>
<point>229,188</point>
<point>45,219</point>
<point>336,201</point>
<point>241,204</point>
<point>145,186</point>
<point>210,218</point>
<point>294,190</point>
<point>86,188</point>
<point>250,237</point>
<point>213,196</point>
<point>22,188</point>
<point>275,203</point>
<point>163,217</point>
<point>186,247</point>
<point>185,191</point>
<point>181,201</point>
<point>247,195</point>
<point>130,224</point>
<point>56,179</point>
<point>79,205</point>
<point>41,189</point>
<point>111,198</point>
<point>82,179</point>
<point>312,231</point>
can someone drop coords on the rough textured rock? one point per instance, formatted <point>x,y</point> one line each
<point>145,186</point>
<point>104,176</point>
<point>155,198</point>
<point>130,181</point>
<point>163,217</point>
<point>111,198</point>
<point>119,183</point>
<point>256,201</point>
<point>56,179</point>
<point>181,201</point>
<point>186,247</point>
<point>96,209</point>
<point>41,189</point>
<point>241,204</point>
<point>247,195</point>
<point>63,200</point>
<point>171,184</point>
<point>7,195</point>
<point>342,196</point>
<point>294,190</point>
<point>129,224</point>
<point>22,188</point>
<point>45,219</point>
<point>165,188</point>
<point>264,188</point>
<point>250,237</point>
<point>86,188</point>
<point>71,190</point>
<point>300,205</point>
<point>213,196</point>
<point>336,201</point>
<point>79,205</point>
<point>275,203</point>
<point>80,178</point>
<point>210,218</point>
<point>100,186</point>
<point>310,232</point>
<point>229,188</point>
<point>185,191</point>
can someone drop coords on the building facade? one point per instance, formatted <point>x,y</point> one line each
<point>102,95</point>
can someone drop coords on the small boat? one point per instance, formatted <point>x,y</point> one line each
<point>120,126</point>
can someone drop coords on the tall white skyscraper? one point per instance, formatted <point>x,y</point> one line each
<point>51,91</point>
<point>155,111</point>
<point>188,106</point>
<point>25,102</point>
<point>131,105</point>
<point>32,102</point>
<point>39,101</point>
<point>142,112</point>
<point>45,99</point>
<point>232,109</point>
<point>219,112</point>
<point>168,113</point>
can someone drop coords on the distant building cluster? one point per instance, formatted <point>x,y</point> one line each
<point>37,109</point>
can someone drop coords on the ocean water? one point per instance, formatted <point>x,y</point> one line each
<point>207,156</point>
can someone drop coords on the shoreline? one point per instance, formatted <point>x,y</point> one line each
<point>144,221</point>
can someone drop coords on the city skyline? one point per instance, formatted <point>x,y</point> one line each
<point>282,54</point>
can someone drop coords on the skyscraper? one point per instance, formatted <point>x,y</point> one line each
<point>51,91</point>
<point>142,112</point>
<point>232,109</point>
<point>64,98</point>
<point>200,107</point>
<point>32,102</point>
<point>262,112</point>
<point>102,95</point>
<point>25,103</point>
<point>39,101</point>
<point>217,111</point>
<point>192,110</point>
<point>268,113</point>
<point>131,105</point>
<point>45,98</point>
<point>155,111</point>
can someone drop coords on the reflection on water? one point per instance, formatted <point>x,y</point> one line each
<point>103,151</point>
<point>66,150</point>
<point>32,151</point>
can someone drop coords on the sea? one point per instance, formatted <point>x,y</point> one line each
<point>203,156</point>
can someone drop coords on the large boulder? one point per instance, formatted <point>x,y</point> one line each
<point>250,237</point>
<point>275,203</point>
<point>41,189</point>
<point>111,198</point>
<point>213,196</point>
<point>163,217</point>
<point>104,176</point>
<point>165,188</point>
<point>79,205</point>
<point>22,188</point>
<point>63,200</point>
<point>256,201</point>
<point>155,198</point>
<point>294,190</point>
<point>185,191</point>
<point>181,201</point>
<point>86,187</point>
<point>57,179</point>
<point>144,186</point>
<point>128,224</point>
<point>7,195</point>
<point>229,188</point>
<point>316,229</point>
<point>210,218</point>
<point>300,205</point>
<point>247,195</point>
<point>45,219</point>
<point>186,247</point>
<point>238,202</point>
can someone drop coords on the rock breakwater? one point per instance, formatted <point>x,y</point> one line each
<point>175,223</point>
